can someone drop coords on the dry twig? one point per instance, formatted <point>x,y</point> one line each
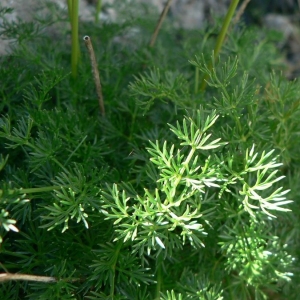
<point>25,277</point>
<point>240,11</point>
<point>88,43</point>
<point>159,23</point>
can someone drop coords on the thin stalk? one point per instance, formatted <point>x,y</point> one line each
<point>159,277</point>
<point>240,12</point>
<point>221,37</point>
<point>59,164</point>
<point>98,10</point>
<point>159,282</point>
<point>75,45</point>
<point>159,23</point>
<point>73,152</point>
<point>88,43</point>
<point>225,27</point>
<point>39,190</point>
<point>26,277</point>
<point>31,190</point>
<point>114,267</point>
<point>37,278</point>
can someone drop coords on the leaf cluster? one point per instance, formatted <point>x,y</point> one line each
<point>177,193</point>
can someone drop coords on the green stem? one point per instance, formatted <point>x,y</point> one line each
<point>73,152</point>
<point>181,171</point>
<point>59,164</point>
<point>40,189</point>
<point>113,268</point>
<point>225,27</point>
<point>31,190</point>
<point>221,36</point>
<point>187,160</point>
<point>159,282</point>
<point>75,43</point>
<point>98,10</point>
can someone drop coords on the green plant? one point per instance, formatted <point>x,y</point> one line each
<point>174,194</point>
<point>73,7</point>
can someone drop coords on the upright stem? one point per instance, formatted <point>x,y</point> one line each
<point>75,45</point>
<point>159,280</point>
<point>225,27</point>
<point>113,269</point>
<point>98,10</point>
<point>221,36</point>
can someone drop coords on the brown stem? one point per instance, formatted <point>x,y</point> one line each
<point>159,23</point>
<point>240,11</point>
<point>26,277</point>
<point>88,43</point>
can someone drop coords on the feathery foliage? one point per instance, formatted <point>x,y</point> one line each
<point>175,193</point>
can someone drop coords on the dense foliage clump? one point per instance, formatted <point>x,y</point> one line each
<point>186,189</point>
